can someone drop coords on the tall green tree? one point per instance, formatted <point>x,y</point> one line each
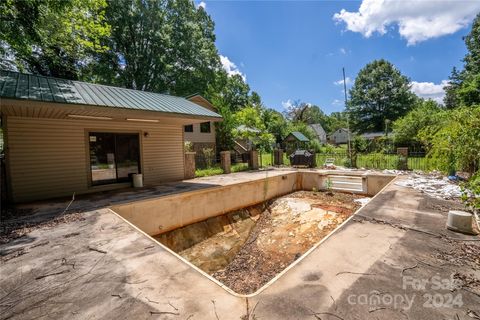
<point>275,123</point>
<point>228,94</point>
<point>380,93</point>
<point>160,46</point>
<point>464,86</point>
<point>472,41</point>
<point>451,99</point>
<point>51,37</point>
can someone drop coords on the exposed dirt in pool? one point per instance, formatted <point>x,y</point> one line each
<point>213,243</point>
<point>289,227</point>
<point>245,249</point>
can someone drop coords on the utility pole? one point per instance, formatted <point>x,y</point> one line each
<point>348,116</point>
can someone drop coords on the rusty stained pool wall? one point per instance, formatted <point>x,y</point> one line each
<point>158,215</point>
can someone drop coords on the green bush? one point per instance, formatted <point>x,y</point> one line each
<point>347,163</point>
<point>471,191</point>
<point>455,141</point>
<point>401,163</point>
<point>239,167</point>
<point>209,154</point>
<point>315,145</point>
<point>188,146</point>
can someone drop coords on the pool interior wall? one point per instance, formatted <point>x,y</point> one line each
<point>166,213</point>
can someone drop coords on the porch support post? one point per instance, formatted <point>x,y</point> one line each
<point>253,162</point>
<point>225,161</point>
<point>190,165</point>
<point>278,157</point>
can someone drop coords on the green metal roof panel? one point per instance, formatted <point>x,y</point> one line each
<point>299,136</point>
<point>48,89</point>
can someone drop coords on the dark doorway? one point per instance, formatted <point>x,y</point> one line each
<point>113,156</point>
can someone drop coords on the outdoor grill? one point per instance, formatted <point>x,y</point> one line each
<point>302,158</point>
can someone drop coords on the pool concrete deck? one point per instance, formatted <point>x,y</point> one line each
<point>100,267</point>
<point>41,210</point>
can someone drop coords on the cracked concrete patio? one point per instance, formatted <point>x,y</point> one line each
<point>99,266</point>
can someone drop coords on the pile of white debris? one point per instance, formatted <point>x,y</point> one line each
<point>433,185</point>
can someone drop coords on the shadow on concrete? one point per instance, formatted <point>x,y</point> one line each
<point>22,218</point>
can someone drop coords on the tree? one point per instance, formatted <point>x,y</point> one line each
<point>251,127</point>
<point>335,121</point>
<point>426,113</point>
<point>232,90</point>
<point>306,112</point>
<point>50,37</point>
<point>275,124</point>
<point>455,139</point>
<point>451,99</point>
<point>297,111</point>
<point>469,92</point>
<point>464,86</point>
<point>228,94</point>
<point>472,41</point>
<point>159,46</point>
<point>380,93</point>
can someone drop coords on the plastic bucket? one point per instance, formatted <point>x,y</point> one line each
<point>137,179</point>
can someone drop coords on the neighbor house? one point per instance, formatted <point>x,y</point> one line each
<point>373,135</point>
<point>201,135</point>
<point>64,137</point>
<point>341,136</point>
<point>319,132</point>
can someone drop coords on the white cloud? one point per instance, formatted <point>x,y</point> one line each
<point>202,4</point>
<point>348,81</point>
<point>337,102</point>
<point>231,68</point>
<point>429,90</point>
<point>287,104</point>
<point>343,51</point>
<point>417,20</point>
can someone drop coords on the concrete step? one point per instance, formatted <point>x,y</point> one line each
<point>347,183</point>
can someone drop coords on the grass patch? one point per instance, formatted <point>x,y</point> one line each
<point>212,171</point>
<point>239,167</point>
<point>216,170</point>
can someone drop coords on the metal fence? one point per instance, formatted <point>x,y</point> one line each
<point>374,160</point>
<point>203,161</point>
<point>377,160</point>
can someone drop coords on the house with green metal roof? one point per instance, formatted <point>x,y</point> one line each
<point>64,137</point>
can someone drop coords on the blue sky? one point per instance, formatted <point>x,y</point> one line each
<point>291,50</point>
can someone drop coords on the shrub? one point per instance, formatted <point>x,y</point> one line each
<point>347,163</point>
<point>187,146</point>
<point>455,142</point>
<point>401,163</point>
<point>315,145</point>
<point>471,191</point>
<point>209,155</point>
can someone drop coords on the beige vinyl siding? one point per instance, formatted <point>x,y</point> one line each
<point>49,157</point>
<point>203,102</point>
<point>201,137</point>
